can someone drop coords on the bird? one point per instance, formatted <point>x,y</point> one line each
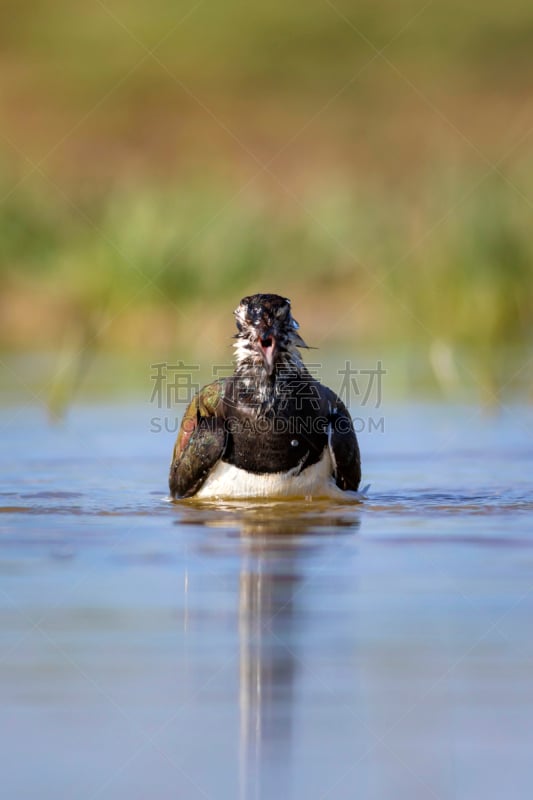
<point>270,430</point>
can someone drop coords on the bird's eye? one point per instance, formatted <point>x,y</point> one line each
<point>282,312</point>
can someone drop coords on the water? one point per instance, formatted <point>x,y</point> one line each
<point>381,650</point>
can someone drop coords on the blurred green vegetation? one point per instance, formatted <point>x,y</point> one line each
<point>371,162</point>
<point>157,267</point>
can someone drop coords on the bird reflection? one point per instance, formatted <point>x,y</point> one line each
<point>276,543</point>
<point>267,670</point>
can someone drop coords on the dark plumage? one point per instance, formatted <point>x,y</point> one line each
<point>271,429</point>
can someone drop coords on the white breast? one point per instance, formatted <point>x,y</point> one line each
<point>229,481</point>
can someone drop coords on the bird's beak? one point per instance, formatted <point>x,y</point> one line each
<point>268,347</point>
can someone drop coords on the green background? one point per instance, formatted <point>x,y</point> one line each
<point>371,161</point>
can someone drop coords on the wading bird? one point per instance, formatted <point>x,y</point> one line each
<point>271,429</point>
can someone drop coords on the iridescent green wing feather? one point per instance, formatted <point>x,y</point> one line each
<point>201,441</point>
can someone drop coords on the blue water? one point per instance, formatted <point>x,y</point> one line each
<point>374,651</point>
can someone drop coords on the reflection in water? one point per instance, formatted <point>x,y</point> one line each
<point>275,541</point>
<point>267,671</point>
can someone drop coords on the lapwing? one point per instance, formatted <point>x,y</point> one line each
<point>271,430</point>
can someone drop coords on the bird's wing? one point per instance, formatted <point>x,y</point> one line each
<point>343,446</point>
<point>200,443</point>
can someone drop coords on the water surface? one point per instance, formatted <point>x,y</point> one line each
<point>313,650</point>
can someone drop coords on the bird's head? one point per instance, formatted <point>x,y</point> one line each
<point>267,332</point>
